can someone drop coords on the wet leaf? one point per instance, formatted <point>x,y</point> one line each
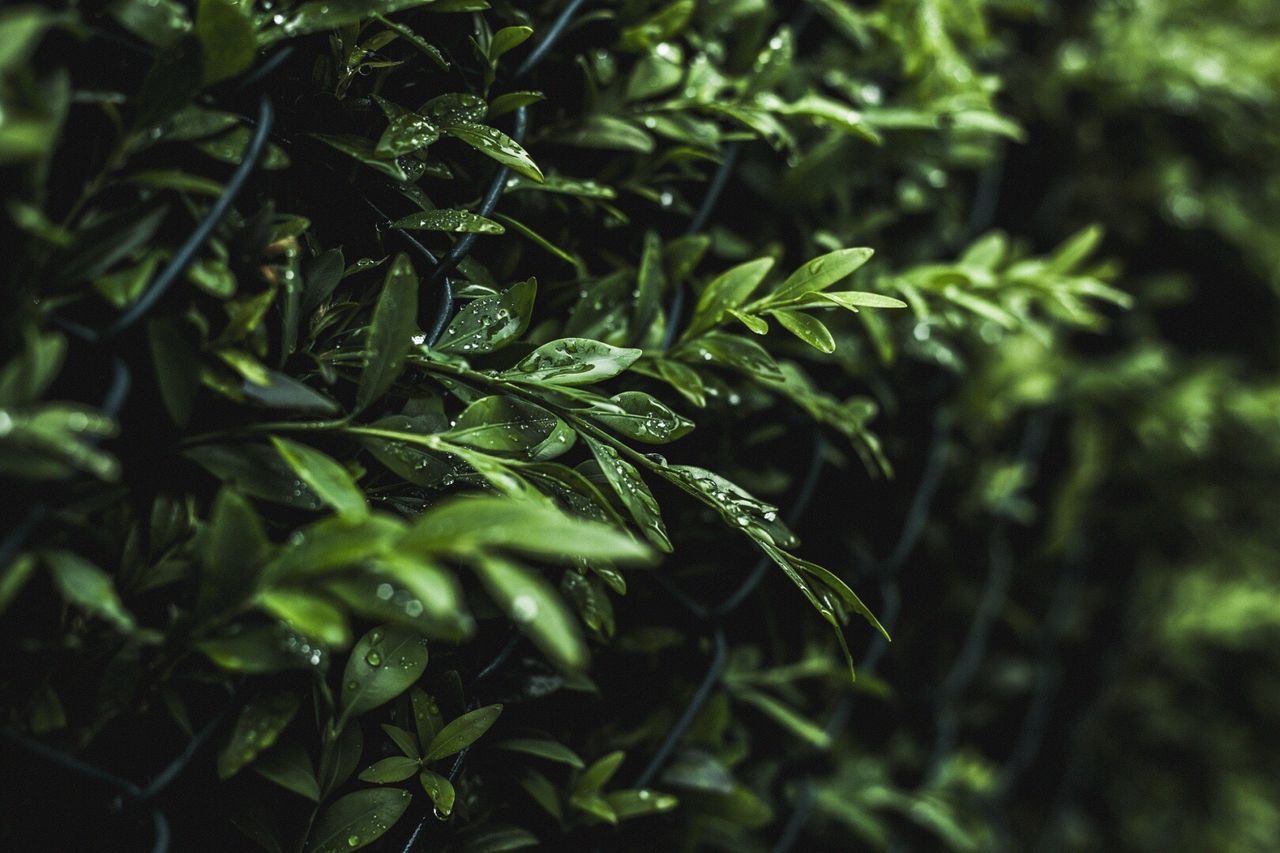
<point>357,820</point>
<point>496,144</point>
<point>462,732</point>
<point>383,664</point>
<point>259,724</point>
<point>331,482</point>
<point>491,322</point>
<point>391,332</point>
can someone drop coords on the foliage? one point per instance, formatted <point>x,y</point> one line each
<point>341,335</point>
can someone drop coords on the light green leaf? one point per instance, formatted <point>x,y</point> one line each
<point>470,525</point>
<point>728,290</point>
<point>328,479</point>
<point>310,614</point>
<point>535,606</point>
<point>854,299</point>
<point>807,328</point>
<point>819,274</point>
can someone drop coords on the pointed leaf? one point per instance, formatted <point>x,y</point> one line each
<point>383,664</point>
<point>462,732</point>
<point>329,480</point>
<point>357,820</point>
<point>391,332</point>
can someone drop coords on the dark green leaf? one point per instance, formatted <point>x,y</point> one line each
<point>357,820</point>
<point>383,664</point>
<point>391,332</point>
<point>462,732</point>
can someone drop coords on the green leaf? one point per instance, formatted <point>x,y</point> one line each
<point>632,490</point>
<point>403,739</point>
<point>643,418</point>
<point>807,328</point>
<point>357,820</point>
<point>264,648</point>
<point>289,767</point>
<point>231,550</point>
<point>397,768</point>
<point>426,715</point>
<point>728,290</point>
<point>491,322</point>
<point>227,40</point>
<point>365,151</point>
<point>454,221</point>
<point>316,15</point>
<point>535,606</point>
<point>628,804</point>
<point>405,134</point>
<point>88,587</point>
<point>819,274</point>
<point>462,732</point>
<point>785,716</point>
<point>543,792</point>
<point>339,758</point>
<point>160,23</point>
<point>497,145</point>
<point>549,749</point>
<point>595,777</point>
<point>423,46</point>
<point>391,333</point>
<point>503,424</point>
<point>260,722</point>
<point>383,664</point>
<point>256,470</point>
<point>329,480</point>
<point>573,361</point>
<point>758,325</point>
<point>658,27</point>
<point>440,790</point>
<point>470,525</point>
<point>310,614</point>
<point>853,299</point>
<point>506,39</point>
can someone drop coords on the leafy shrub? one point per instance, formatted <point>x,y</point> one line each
<point>343,335</point>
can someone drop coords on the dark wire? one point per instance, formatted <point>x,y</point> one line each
<point>186,253</point>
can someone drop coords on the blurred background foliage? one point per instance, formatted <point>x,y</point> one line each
<point>1052,477</point>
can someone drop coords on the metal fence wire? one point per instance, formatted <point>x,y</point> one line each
<point>712,616</point>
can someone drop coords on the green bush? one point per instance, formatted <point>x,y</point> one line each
<point>408,406</point>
